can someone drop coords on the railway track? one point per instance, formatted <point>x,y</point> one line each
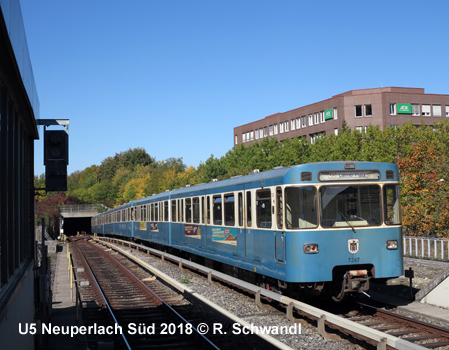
<point>377,327</point>
<point>143,311</point>
<point>417,332</point>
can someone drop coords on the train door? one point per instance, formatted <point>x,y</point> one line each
<point>206,214</point>
<point>245,237</point>
<point>279,231</point>
<point>249,223</point>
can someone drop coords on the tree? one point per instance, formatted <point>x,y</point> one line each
<point>424,191</point>
<point>48,209</point>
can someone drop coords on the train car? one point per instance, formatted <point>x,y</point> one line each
<point>306,229</point>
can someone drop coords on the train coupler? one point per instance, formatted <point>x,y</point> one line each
<point>353,281</point>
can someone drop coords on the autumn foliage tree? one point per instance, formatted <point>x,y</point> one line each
<point>421,153</point>
<point>48,208</point>
<point>424,191</point>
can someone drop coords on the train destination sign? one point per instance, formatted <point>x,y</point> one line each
<point>349,175</point>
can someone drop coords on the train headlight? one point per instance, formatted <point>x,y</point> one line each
<point>310,248</point>
<point>392,244</point>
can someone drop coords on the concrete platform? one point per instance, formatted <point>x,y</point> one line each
<point>441,315</point>
<point>63,307</point>
<point>436,292</point>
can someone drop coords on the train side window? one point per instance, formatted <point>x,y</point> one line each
<point>279,208</point>
<point>248,209</point>
<point>156,211</point>
<point>392,205</point>
<point>300,207</point>
<point>137,214</point>
<point>217,210</point>
<point>182,210</point>
<point>196,210</point>
<point>240,206</point>
<point>203,210</point>
<point>173,210</point>
<point>208,210</point>
<point>263,208</point>
<point>229,209</point>
<point>188,210</point>
<point>166,211</point>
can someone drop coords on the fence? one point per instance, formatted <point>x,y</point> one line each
<point>426,248</point>
<point>77,208</point>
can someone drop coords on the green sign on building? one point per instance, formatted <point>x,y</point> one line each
<point>328,114</point>
<point>404,108</point>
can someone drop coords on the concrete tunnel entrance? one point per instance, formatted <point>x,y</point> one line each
<point>77,218</point>
<point>73,226</point>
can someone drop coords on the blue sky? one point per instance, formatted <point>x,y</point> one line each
<point>176,76</point>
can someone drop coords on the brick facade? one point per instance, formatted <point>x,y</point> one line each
<point>385,107</point>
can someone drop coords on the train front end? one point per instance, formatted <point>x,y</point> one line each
<point>344,227</point>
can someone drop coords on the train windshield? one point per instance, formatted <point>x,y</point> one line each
<point>301,207</point>
<point>349,206</point>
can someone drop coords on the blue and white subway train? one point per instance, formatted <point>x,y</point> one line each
<point>306,229</point>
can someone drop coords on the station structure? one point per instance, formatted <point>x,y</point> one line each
<point>384,107</point>
<point>23,285</point>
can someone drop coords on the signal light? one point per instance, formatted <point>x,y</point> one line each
<point>310,248</point>
<point>392,244</point>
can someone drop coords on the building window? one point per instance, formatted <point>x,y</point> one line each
<point>335,113</point>
<point>265,131</point>
<point>243,137</point>
<point>368,111</point>
<point>271,130</point>
<point>252,135</point>
<point>336,131</point>
<point>322,117</point>
<point>298,122</point>
<point>425,110</point>
<point>447,111</point>
<point>436,110</point>
<point>275,129</point>
<point>286,126</point>
<point>317,118</point>
<point>310,119</point>
<point>257,134</point>
<point>292,124</point>
<point>236,139</point>
<point>358,111</point>
<point>304,121</point>
<point>415,110</point>
<point>247,136</point>
<point>393,108</point>
<point>281,128</point>
<point>312,138</point>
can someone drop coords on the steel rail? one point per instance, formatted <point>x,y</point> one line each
<point>103,296</point>
<point>374,336</point>
<point>145,287</point>
<point>434,331</point>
